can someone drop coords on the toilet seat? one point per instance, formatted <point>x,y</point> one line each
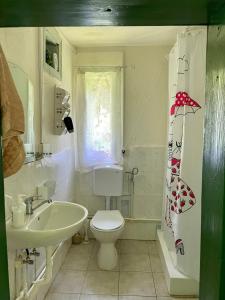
<point>107,220</point>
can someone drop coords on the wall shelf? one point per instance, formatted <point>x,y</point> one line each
<point>52,53</point>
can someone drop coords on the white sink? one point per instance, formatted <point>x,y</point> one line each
<point>49,225</point>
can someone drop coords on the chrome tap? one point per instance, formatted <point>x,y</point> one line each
<point>29,204</point>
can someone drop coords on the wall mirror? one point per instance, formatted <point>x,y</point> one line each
<point>26,92</point>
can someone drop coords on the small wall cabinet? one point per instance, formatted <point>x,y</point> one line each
<point>52,52</point>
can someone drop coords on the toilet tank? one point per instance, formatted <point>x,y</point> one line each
<point>108,180</point>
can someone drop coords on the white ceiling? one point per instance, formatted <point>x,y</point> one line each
<point>121,35</point>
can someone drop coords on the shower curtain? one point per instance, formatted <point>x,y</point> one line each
<point>182,209</point>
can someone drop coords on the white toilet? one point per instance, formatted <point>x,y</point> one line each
<point>107,225</point>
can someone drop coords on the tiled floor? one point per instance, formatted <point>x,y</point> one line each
<point>138,276</point>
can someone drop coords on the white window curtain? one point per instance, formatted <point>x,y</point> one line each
<point>99,116</point>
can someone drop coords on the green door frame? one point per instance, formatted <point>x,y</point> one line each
<point>110,12</point>
<point>131,13</point>
<point>4,282</point>
<point>4,276</point>
<point>213,190</point>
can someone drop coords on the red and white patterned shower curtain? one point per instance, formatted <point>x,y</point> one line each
<point>185,144</point>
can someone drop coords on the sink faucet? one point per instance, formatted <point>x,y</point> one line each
<point>29,204</point>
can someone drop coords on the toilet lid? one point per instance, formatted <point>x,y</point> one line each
<point>107,219</point>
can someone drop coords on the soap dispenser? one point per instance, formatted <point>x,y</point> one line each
<point>18,212</point>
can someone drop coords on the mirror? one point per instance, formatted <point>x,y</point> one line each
<point>26,92</point>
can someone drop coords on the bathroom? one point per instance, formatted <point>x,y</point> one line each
<point>150,262</point>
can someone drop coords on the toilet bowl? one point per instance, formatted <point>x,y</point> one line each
<point>107,226</point>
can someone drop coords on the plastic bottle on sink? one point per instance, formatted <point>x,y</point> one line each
<point>18,212</point>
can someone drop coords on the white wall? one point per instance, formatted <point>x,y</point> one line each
<point>62,146</point>
<point>145,107</point>
<point>59,142</point>
<point>145,121</point>
<point>20,46</point>
<point>145,124</point>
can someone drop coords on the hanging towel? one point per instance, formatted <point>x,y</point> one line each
<point>12,117</point>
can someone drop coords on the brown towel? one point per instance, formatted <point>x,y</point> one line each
<point>12,117</point>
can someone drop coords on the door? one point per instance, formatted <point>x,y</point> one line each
<point>212,285</point>
<point>146,13</point>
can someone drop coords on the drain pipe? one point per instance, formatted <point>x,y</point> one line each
<point>21,266</point>
<point>31,294</point>
<point>86,224</point>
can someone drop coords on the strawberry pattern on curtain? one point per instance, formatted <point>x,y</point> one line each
<point>185,143</point>
<point>180,196</point>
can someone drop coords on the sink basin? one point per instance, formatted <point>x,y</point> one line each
<point>49,225</point>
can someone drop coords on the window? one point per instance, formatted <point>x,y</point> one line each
<point>99,117</point>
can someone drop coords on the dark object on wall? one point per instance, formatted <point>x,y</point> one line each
<point>69,124</point>
<point>52,54</point>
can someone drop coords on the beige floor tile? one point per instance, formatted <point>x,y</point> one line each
<point>55,296</point>
<point>133,247</point>
<point>101,282</point>
<point>118,242</point>
<point>83,248</point>
<point>68,281</point>
<point>153,249</point>
<point>76,261</point>
<point>95,248</point>
<point>160,284</point>
<point>93,264</point>
<point>98,297</point>
<point>135,262</point>
<point>156,263</point>
<point>136,284</point>
<point>81,274</point>
<point>136,298</point>
<point>137,259</point>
